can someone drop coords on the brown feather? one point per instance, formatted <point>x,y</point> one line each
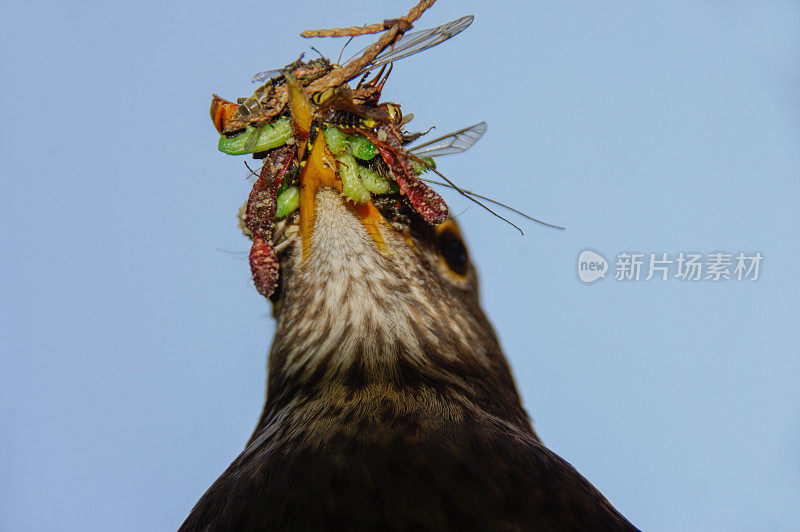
<point>389,402</point>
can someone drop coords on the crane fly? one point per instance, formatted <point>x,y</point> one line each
<point>457,142</point>
<point>409,44</point>
<point>417,41</point>
<point>270,98</point>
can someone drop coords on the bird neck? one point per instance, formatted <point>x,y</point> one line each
<point>363,324</point>
<point>351,346</point>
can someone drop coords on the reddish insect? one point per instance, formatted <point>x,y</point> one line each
<point>423,198</point>
<point>260,214</point>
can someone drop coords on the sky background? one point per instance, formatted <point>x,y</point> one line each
<point>133,344</point>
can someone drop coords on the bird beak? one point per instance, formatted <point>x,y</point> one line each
<point>319,168</point>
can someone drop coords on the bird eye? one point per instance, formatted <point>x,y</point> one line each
<point>452,249</point>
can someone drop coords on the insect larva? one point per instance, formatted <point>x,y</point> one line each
<point>362,148</point>
<point>288,202</point>
<point>336,140</point>
<point>373,181</point>
<point>351,184</point>
<point>256,139</point>
<point>420,168</point>
<point>357,145</point>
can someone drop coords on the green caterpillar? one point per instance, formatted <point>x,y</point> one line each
<point>357,181</point>
<point>288,201</point>
<point>256,139</point>
<point>374,181</point>
<point>422,167</point>
<point>356,145</point>
<point>362,148</point>
<point>336,140</point>
<point>352,187</point>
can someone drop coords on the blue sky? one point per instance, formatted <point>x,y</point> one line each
<point>133,345</point>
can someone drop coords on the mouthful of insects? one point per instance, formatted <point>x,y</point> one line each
<point>314,132</point>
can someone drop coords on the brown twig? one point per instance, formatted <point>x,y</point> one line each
<point>354,31</point>
<point>345,73</point>
<point>418,10</point>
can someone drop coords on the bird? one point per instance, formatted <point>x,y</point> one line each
<point>390,404</point>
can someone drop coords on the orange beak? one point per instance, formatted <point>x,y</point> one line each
<point>320,170</point>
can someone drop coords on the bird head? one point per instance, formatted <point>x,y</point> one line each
<point>356,312</point>
<point>373,292</point>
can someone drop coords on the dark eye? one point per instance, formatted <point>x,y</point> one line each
<point>453,250</point>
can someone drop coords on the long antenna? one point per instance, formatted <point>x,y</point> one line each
<point>463,193</point>
<point>490,200</point>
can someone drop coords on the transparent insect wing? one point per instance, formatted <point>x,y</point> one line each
<point>417,41</point>
<point>261,77</point>
<point>454,142</point>
<point>252,141</point>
